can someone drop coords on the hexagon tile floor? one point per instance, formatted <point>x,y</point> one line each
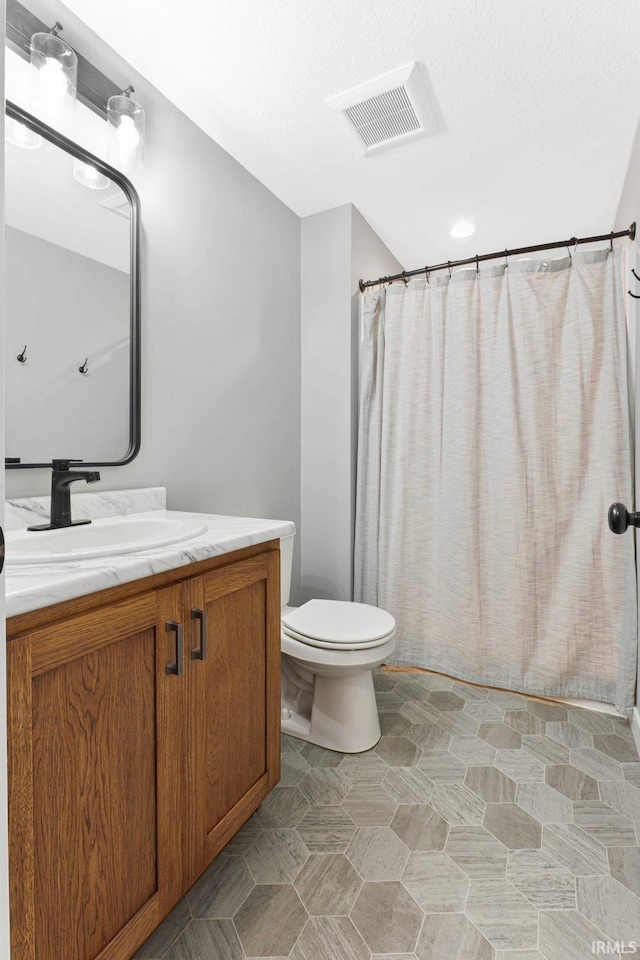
<point>483,826</point>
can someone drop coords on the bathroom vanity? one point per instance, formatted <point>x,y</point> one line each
<point>144,721</point>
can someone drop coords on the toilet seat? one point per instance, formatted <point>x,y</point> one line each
<point>327,645</point>
<point>338,625</point>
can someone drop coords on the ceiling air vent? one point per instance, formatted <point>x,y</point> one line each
<point>387,111</point>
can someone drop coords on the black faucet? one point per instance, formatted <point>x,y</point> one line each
<point>61,479</point>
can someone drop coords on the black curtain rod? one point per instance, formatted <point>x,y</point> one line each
<point>406,274</point>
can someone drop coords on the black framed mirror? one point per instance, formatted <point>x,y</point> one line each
<point>72,302</point>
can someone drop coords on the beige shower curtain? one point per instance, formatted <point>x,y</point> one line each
<point>494,433</point>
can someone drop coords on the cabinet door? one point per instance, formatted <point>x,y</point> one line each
<point>235,686</point>
<point>95,744</point>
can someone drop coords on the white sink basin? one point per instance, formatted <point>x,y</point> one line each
<point>102,538</point>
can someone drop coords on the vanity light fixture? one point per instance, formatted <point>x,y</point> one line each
<point>54,79</point>
<point>125,118</point>
<point>59,76</point>
<point>462,230</point>
<point>89,176</point>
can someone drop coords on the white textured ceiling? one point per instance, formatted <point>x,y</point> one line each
<point>539,99</point>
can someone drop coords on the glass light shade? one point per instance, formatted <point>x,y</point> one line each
<point>89,176</point>
<point>54,80</point>
<point>20,135</point>
<point>125,149</point>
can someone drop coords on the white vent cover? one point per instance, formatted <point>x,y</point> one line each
<point>387,111</point>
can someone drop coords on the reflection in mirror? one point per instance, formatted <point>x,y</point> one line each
<point>69,299</point>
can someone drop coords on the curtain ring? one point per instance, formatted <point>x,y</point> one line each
<point>611,241</point>
<point>449,266</point>
<point>427,272</point>
<point>506,262</point>
<point>477,265</point>
<point>570,257</point>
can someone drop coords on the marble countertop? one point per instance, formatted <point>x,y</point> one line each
<point>30,587</point>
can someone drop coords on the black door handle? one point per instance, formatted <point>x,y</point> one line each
<point>620,518</point>
<point>201,652</point>
<point>175,667</point>
<point>1,549</point>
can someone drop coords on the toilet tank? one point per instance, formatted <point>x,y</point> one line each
<point>286,564</point>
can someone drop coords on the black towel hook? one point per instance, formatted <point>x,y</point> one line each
<point>636,296</point>
<point>22,357</point>
<point>85,366</point>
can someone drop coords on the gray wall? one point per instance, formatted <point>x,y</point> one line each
<point>629,206</point>
<point>51,409</point>
<point>628,211</point>
<point>4,846</point>
<point>220,323</point>
<point>337,248</point>
<point>326,405</point>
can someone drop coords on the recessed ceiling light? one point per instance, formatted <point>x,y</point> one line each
<point>462,229</point>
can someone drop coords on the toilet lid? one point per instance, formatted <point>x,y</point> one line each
<point>327,645</point>
<point>338,622</point>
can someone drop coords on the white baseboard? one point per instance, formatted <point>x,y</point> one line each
<point>635,727</point>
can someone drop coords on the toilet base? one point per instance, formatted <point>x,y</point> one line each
<point>343,714</point>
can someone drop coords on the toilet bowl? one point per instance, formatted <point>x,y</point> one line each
<point>329,650</point>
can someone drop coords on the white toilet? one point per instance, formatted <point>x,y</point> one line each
<point>329,649</point>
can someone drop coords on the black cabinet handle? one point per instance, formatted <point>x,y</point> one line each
<point>201,652</point>
<point>175,667</point>
<point>620,518</point>
<point>1,549</point>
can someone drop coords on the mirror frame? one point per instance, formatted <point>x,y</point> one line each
<point>74,150</point>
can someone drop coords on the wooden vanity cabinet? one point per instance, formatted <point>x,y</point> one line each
<point>235,690</point>
<point>143,732</point>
